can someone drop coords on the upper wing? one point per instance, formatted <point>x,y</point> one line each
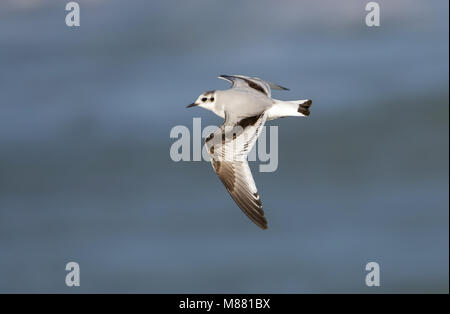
<point>228,147</point>
<point>252,83</point>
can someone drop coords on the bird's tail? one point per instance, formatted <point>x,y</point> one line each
<point>295,108</point>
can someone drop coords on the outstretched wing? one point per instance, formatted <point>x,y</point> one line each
<point>228,148</point>
<point>252,83</point>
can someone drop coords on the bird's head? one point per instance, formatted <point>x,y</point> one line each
<point>206,100</point>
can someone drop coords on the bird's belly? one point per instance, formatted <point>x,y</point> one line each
<point>251,104</point>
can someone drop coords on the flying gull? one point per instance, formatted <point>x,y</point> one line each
<point>245,107</point>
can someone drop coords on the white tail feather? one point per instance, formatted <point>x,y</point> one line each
<point>291,108</point>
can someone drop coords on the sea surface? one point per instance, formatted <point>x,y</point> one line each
<point>86,174</point>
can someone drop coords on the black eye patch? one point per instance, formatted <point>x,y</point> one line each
<point>204,99</point>
<point>212,99</point>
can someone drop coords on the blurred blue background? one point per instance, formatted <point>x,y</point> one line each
<point>86,176</point>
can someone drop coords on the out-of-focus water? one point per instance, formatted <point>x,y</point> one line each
<point>86,176</point>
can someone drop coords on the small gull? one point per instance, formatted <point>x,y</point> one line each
<point>245,107</point>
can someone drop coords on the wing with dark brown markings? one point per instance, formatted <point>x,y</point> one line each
<point>238,181</point>
<point>253,83</point>
<point>228,147</point>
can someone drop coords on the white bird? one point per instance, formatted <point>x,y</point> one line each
<point>245,107</point>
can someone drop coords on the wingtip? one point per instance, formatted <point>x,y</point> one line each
<point>262,224</point>
<point>276,86</point>
<point>281,87</point>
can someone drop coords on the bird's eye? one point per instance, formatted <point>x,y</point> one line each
<point>212,99</point>
<point>204,99</point>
